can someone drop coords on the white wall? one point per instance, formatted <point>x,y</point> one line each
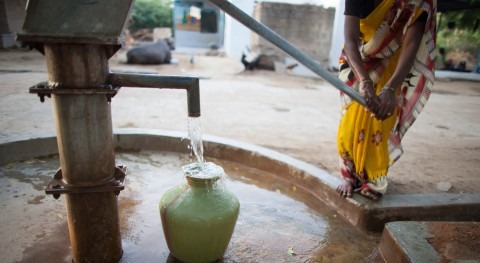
<point>237,36</point>
<point>337,37</point>
<point>325,3</point>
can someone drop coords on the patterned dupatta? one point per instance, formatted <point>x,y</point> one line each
<point>377,50</point>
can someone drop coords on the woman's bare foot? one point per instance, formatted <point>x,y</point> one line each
<point>345,189</point>
<point>369,193</point>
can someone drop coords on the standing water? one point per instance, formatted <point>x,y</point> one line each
<point>278,222</point>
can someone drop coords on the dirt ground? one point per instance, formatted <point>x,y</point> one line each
<point>297,116</point>
<point>455,242</point>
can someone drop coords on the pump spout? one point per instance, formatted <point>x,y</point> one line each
<point>191,84</point>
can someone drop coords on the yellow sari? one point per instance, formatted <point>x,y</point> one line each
<point>363,141</point>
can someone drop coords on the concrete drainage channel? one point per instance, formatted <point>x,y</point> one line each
<point>407,239</point>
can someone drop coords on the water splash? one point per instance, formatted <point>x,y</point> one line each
<point>201,168</point>
<point>195,135</point>
<point>208,171</point>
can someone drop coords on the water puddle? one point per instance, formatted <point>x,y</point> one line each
<point>278,222</point>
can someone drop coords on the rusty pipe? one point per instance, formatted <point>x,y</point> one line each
<point>190,84</point>
<point>86,149</point>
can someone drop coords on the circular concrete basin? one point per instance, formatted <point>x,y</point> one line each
<point>282,215</point>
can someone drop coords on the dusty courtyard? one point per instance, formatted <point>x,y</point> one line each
<point>297,116</point>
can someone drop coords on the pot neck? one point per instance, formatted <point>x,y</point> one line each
<point>196,182</point>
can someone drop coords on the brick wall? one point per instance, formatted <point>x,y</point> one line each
<point>307,27</point>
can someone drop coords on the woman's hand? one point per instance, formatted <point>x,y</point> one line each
<point>387,104</point>
<point>410,47</point>
<point>367,91</point>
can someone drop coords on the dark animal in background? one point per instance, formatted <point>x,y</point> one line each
<point>151,54</point>
<point>253,61</point>
<point>249,64</point>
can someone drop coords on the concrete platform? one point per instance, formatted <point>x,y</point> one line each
<point>365,214</point>
<point>455,75</point>
<point>431,242</point>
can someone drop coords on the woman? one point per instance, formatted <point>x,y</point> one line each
<point>388,57</point>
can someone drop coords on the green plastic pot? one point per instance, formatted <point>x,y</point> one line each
<point>199,216</point>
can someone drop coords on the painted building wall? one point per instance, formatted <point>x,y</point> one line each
<point>308,27</point>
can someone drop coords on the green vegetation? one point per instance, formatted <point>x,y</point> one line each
<point>459,30</point>
<point>150,14</point>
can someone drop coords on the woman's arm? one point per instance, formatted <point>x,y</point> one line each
<point>352,37</point>
<point>411,43</point>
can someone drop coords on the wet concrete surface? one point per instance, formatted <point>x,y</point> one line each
<point>310,186</point>
<point>431,242</point>
<point>278,222</point>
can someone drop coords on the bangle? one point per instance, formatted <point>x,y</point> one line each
<point>388,88</point>
<point>367,80</point>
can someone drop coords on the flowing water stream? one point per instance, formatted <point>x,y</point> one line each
<point>195,136</point>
